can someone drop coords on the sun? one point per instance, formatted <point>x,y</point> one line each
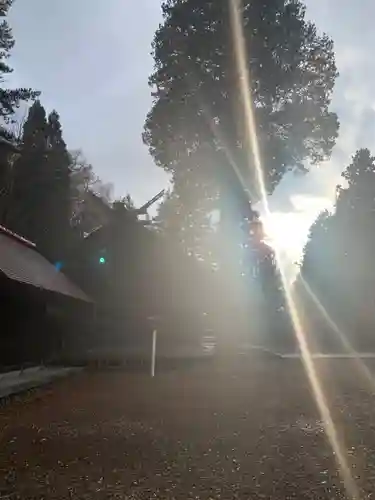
<point>286,232</point>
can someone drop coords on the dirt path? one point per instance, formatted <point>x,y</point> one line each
<point>208,432</point>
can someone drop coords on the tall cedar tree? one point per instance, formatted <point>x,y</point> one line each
<point>194,127</point>
<point>31,180</point>
<point>188,226</point>
<point>40,203</point>
<point>338,257</point>
<point>9,99</point>
<point>59,214</point>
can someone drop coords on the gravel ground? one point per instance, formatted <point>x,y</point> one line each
<point>239,430</point>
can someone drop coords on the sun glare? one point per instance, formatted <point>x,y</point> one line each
<point>285,232</point>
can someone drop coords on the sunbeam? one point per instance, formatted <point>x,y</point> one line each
<point>364,370</point>
<point>255,164</point>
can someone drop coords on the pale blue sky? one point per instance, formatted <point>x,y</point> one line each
<point>90,59</point>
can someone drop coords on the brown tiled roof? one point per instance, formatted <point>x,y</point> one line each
<point>20,261</point>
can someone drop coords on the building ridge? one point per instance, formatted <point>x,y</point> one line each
<point>17,237</point>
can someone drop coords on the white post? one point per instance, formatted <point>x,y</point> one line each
<point>153,354</point>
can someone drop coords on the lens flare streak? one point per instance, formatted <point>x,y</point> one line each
<point>255,166</point>
<point>361,366</point>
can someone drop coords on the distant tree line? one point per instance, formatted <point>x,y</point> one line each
<point>337,276</point>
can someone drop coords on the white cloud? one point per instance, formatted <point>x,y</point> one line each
<point>309,203</point>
